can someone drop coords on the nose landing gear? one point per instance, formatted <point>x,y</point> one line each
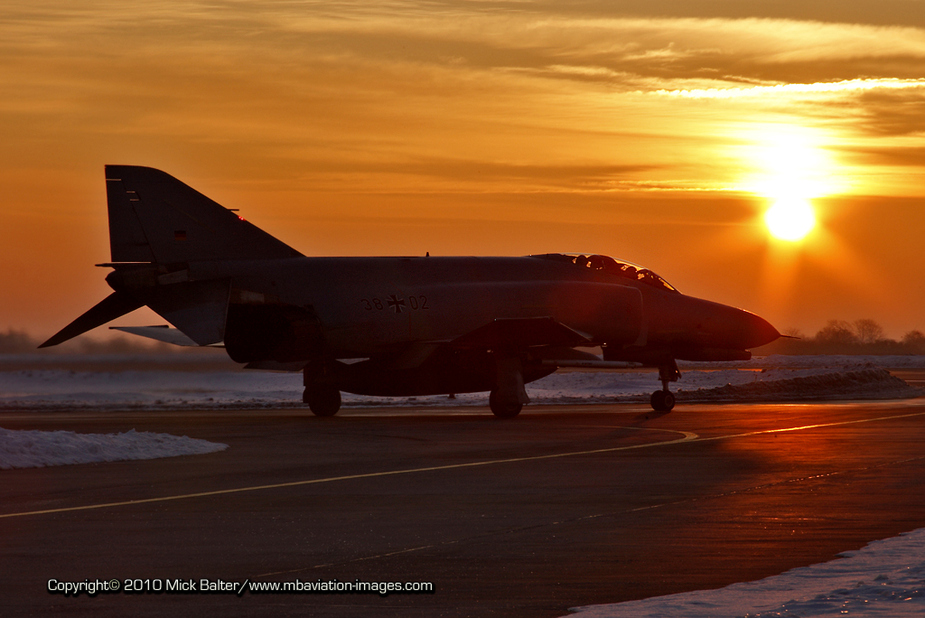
<point>663,400</point>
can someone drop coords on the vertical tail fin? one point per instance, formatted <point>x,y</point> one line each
<point>153,217</point>
<point>157,220</point>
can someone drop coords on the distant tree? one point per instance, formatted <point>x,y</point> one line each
<point>868,331</point>
<point>837,332</point>
<point>914,341</point>
<point>794,332</point>
<point>15,341</point>
<point>841,337</point>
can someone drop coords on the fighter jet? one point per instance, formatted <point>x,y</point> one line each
<point>393,326</point>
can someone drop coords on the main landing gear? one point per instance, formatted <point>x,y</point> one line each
<point>503,408</point>
<point>322,400</point>
<point>321,395</point>
<point>509,396</point>
<point>663,400</point>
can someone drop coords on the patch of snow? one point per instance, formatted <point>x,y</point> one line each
<point>885,578</point>
<point>36,449</point>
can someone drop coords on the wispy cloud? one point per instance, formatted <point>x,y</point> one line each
<point>522,86</point>
<point>848,85</point>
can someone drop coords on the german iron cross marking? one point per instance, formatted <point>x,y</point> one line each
<point>396,303</point>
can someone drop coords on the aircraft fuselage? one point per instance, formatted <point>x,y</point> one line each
<point>392,325</point>
<point>365,306</point>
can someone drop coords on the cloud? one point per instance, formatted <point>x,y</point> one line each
<point>543,94</point>
<point>534,40</point>
<point>461,41</point>
<point>893,113</point>
<point>848,85</point>
<point>893,156</point>
<point>489,174</point>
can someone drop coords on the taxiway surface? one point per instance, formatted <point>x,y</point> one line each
<point>563,506</point>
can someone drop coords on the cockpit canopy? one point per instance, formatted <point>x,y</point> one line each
<point>610,265</point>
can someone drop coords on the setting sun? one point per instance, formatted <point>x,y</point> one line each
<point>790,219</point>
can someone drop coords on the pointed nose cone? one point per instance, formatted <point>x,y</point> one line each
<point>731,328</point>
<point>693,323</point>
<point>755,331</point>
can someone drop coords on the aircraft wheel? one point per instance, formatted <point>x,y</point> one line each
<point>662,401</point>
<point>668,401</point>
<point>501,408</point>
<point>324,401</point>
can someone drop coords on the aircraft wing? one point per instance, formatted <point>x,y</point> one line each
<point>547,338</point>
<point>521,333</point>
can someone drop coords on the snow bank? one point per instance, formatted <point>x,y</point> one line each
<point>906,361</point>
<point>870,383</point>
<point>56,388</point>
<point>885,578</point>
<point>35,449</point>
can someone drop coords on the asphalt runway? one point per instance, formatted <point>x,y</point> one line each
<point>563,506</point>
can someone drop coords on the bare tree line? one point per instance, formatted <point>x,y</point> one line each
<point>864,336</point>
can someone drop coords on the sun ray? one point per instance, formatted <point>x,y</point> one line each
<point>789,168</point>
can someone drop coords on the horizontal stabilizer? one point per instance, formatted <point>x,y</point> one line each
<point>158,333</point>
<point>520,333</point>
<point>113,306</point>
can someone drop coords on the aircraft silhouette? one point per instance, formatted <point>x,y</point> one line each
<point>392,326</point>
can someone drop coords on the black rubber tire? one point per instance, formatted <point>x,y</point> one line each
<point>668,401</point>
<point>322,401</point>
<point>656,401</point>
<point>662,401</point>
<point>503,409</point>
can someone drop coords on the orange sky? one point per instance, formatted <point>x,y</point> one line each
<point>656,132</point>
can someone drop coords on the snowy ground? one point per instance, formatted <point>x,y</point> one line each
<point>884,579</point>
<point>94,383</point>
<point>36,449</point>
<point>207,382</point>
